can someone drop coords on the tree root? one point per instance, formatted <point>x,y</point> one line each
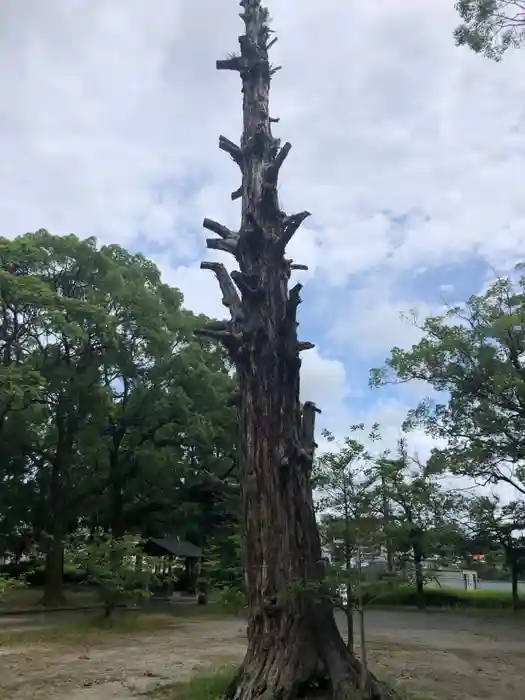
<point>312,664</point>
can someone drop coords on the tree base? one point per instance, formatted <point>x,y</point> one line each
<point>309,662</point>
<point>53,600</point>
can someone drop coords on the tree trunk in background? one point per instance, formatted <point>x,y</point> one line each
<point>514,570</point>
<point>417,550</point>
<point>54,572</point>
<point>294,647</point>
<point>54,564</point>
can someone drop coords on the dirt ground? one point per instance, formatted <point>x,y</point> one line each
<point>437,654</point>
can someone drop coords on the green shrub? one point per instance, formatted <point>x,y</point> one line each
<point>232,599</point>
<point>111,566</point>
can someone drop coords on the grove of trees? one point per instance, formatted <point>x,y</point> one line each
<point>113,418</point>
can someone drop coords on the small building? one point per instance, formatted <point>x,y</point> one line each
<point>176,558</point>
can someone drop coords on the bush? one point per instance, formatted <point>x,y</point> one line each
<point>437,597</point>
<point>232,599</point>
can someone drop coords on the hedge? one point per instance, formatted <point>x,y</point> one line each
<point>438,597</point>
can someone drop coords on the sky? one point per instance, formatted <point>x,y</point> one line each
<point>406,149</point>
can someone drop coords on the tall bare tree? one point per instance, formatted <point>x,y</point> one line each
<point>294,647</point>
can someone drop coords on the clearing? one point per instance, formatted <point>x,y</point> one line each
<point>436,654</point>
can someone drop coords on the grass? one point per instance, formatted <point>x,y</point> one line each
<point>87,629</point>
<point>209,687</point>
<point>92,628</point>
<point>23,599</point>
<point>214,686</point>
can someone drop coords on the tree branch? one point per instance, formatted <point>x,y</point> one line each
<point>232,63</point>
<point>308,426</point>
<point>272,173</point>
<point>220,336</point>
<point>290,226</point>
<point>248,284</point>
<point>219,229</point>
<point>231,149</point>
<point>294,266</point>
<point>228,245</point>
<point>294,299</point>
<point>230,297</point>
<point>304,345</point>
<point>222,332</point>
<point>237,194</point>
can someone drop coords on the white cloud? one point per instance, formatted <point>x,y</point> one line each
<point>407,150</point>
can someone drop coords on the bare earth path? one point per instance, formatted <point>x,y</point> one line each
<point>440,655</point>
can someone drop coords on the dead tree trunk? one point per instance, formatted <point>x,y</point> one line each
<point>294,647</point>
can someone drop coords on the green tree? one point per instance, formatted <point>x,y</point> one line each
<point>117,567</point>
<point>421,509</point>
<point>501,525</point>
<point>490,27</point>
<point>473,356</point>
<point>344,480</point>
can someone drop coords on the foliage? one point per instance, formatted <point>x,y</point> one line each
<point>490,27</point>
<point>223,563</point>
<point>421,510</point>
<point>473,356</point>
<point>117,567</point>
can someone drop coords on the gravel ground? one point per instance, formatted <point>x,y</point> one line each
<point>438,654</point>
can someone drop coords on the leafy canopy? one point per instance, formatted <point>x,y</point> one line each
<point>474,357</point>
<point>490,27</point>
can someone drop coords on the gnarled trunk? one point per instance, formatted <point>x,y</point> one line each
<point>294,647</point>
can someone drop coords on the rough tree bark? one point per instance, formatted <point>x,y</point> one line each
<point>294,647</point>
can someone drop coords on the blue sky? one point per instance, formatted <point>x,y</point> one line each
<point>407,150</point>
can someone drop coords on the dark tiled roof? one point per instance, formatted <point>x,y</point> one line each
<point>171,546</point>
